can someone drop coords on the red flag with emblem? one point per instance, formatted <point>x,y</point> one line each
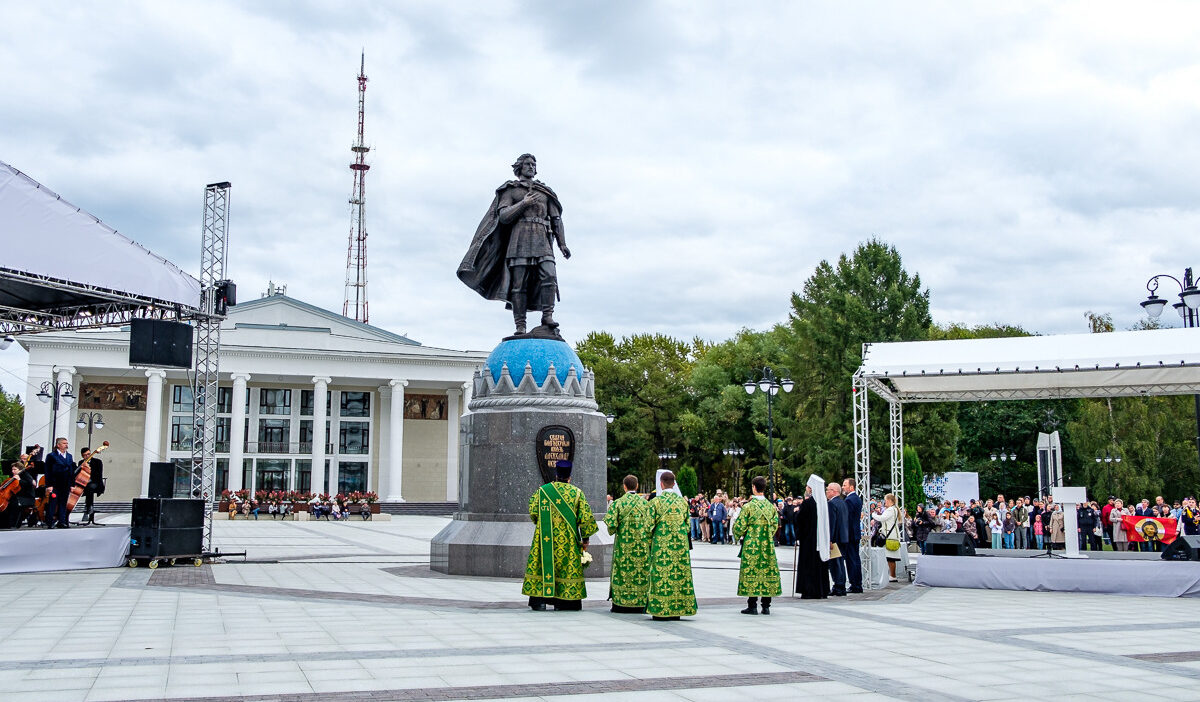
<point>1143,529</point>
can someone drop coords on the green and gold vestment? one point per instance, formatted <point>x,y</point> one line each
<point>630,522</point>
<point>759,574</point>
<point>672,593</point>
<point>562,517</point>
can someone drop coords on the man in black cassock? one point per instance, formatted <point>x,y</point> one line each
<point>812,520</point>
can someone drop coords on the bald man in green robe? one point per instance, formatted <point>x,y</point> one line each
<point>630,522</point>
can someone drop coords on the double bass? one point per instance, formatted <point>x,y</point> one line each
<point>12,486</point>
<point>82,477</point>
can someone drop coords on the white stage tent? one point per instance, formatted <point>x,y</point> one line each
<point>1116,364</point>
<point>61,267</point>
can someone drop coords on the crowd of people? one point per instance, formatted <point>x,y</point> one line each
<point>1025,523</point>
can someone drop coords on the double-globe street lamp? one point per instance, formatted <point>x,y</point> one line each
<point>90,421</point>
<point>769,384</point>
<point>1188,308</point>
<point>58,394</point>
<point>736,452</point>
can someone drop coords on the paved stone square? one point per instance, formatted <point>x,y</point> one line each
<point>324,611</point>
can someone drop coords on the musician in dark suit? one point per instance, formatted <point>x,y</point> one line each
<point>60,473</point>
<point>854,520</point>
<point>95,486</point>
<point>839,533</point>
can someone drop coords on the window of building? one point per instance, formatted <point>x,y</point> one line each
<point>274,401</point>
<point>352,476</point>
<point>181,398</point>
<point>306,436</point>
<point>356,404</point>
<point>353,437</point>
<point>223,434</point>
<point>273,474</point>
<point>224,400</point>
<point>183,476</point>
<point>304,476</point>
<point>306,402</point>
<point>247,472</point>
<point>274,435</point>
<point>181,433</point>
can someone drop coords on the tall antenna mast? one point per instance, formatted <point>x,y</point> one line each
<point>355,304</point>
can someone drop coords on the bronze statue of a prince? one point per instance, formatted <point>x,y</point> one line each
<point>511,257</point>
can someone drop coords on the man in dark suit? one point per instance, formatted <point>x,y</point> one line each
<point>854,520</point>
<point>95,486</point>
<point>839,533</point>
<point>60,472</point>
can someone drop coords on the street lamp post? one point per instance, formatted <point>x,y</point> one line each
<point>90,421</point>
<point>1002,456</point>
<point>769,384</point>
<point>57,394</point>
<point>1188,308</point>
<point>736,452</point>
<point>663,457</point>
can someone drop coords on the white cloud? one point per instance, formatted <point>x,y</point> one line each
<point>1030,161</point>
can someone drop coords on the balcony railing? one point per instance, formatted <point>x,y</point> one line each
<point>293,447</point>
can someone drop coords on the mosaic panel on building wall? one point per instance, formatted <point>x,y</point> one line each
<point>424,406</point>
<point>112,396</point>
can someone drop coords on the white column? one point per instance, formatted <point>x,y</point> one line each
<point>452,398</point>
<point>152,437</point>
<point>396,442</point>
<point>64,424</point>
<point>382,444</point>
<point>237,431</point>
<point>37,413</point>
<point>317,477</point>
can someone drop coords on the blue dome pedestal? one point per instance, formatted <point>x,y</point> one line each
<point>525,386</point>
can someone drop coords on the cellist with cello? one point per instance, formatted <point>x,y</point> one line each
<point>17,493</point>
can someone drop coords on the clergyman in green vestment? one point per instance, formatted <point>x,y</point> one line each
<point>755,528</point>
<point>563,522</point>
<point>630,522</point>
<point>672,594</point>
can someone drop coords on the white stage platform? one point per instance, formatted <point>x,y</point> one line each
<point>32,550</point>
<point>1148,578</point>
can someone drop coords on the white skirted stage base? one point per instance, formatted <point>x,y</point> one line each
<point>77,548</point>
<point>1146,577</point>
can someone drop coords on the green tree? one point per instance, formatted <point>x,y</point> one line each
<point>686,480</point>
<point>643,381</point>
<point>12,416</point>
<point>867,297</point>
<point>914,480</point>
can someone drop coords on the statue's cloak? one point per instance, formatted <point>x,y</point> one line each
<point>483,268</point>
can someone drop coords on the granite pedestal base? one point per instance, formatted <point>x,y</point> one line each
<point>499,469</point>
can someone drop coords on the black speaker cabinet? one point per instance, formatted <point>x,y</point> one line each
<point>162,480</point>
<point>160,343</point>
<point>1185,547</point>
<point>956,544</point>
<point>153,513</point>
<point>147,542</point>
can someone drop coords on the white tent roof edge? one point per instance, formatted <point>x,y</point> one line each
<point>49,237</point>
<point>1149,362</point>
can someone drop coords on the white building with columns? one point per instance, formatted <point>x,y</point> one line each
<point>308,400</point>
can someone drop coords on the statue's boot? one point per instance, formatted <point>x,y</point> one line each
<point>519,307</point>
<point>546,293</point>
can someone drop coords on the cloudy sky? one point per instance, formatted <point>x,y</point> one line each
<point>1031,161</point>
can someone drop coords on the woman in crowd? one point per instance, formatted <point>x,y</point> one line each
<point>1120,538</point>
<point>1058,529</point>
<point>889,528</point>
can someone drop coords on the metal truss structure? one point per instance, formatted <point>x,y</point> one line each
<point>862,470</point>
<point>81,306</point>
<point>213,246</point>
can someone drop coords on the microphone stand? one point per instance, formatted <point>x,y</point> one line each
<point>1046,527</point>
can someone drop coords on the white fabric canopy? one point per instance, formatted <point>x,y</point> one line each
<point>1152,362</point>
<point>45,235</point>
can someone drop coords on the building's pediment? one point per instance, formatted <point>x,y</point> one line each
<point>280,314</point>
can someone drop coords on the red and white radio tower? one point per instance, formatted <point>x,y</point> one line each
<point>356,256</point>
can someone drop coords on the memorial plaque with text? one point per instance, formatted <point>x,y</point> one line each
<point>554,444</point>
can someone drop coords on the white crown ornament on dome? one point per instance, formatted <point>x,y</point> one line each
<point>576,393</point>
